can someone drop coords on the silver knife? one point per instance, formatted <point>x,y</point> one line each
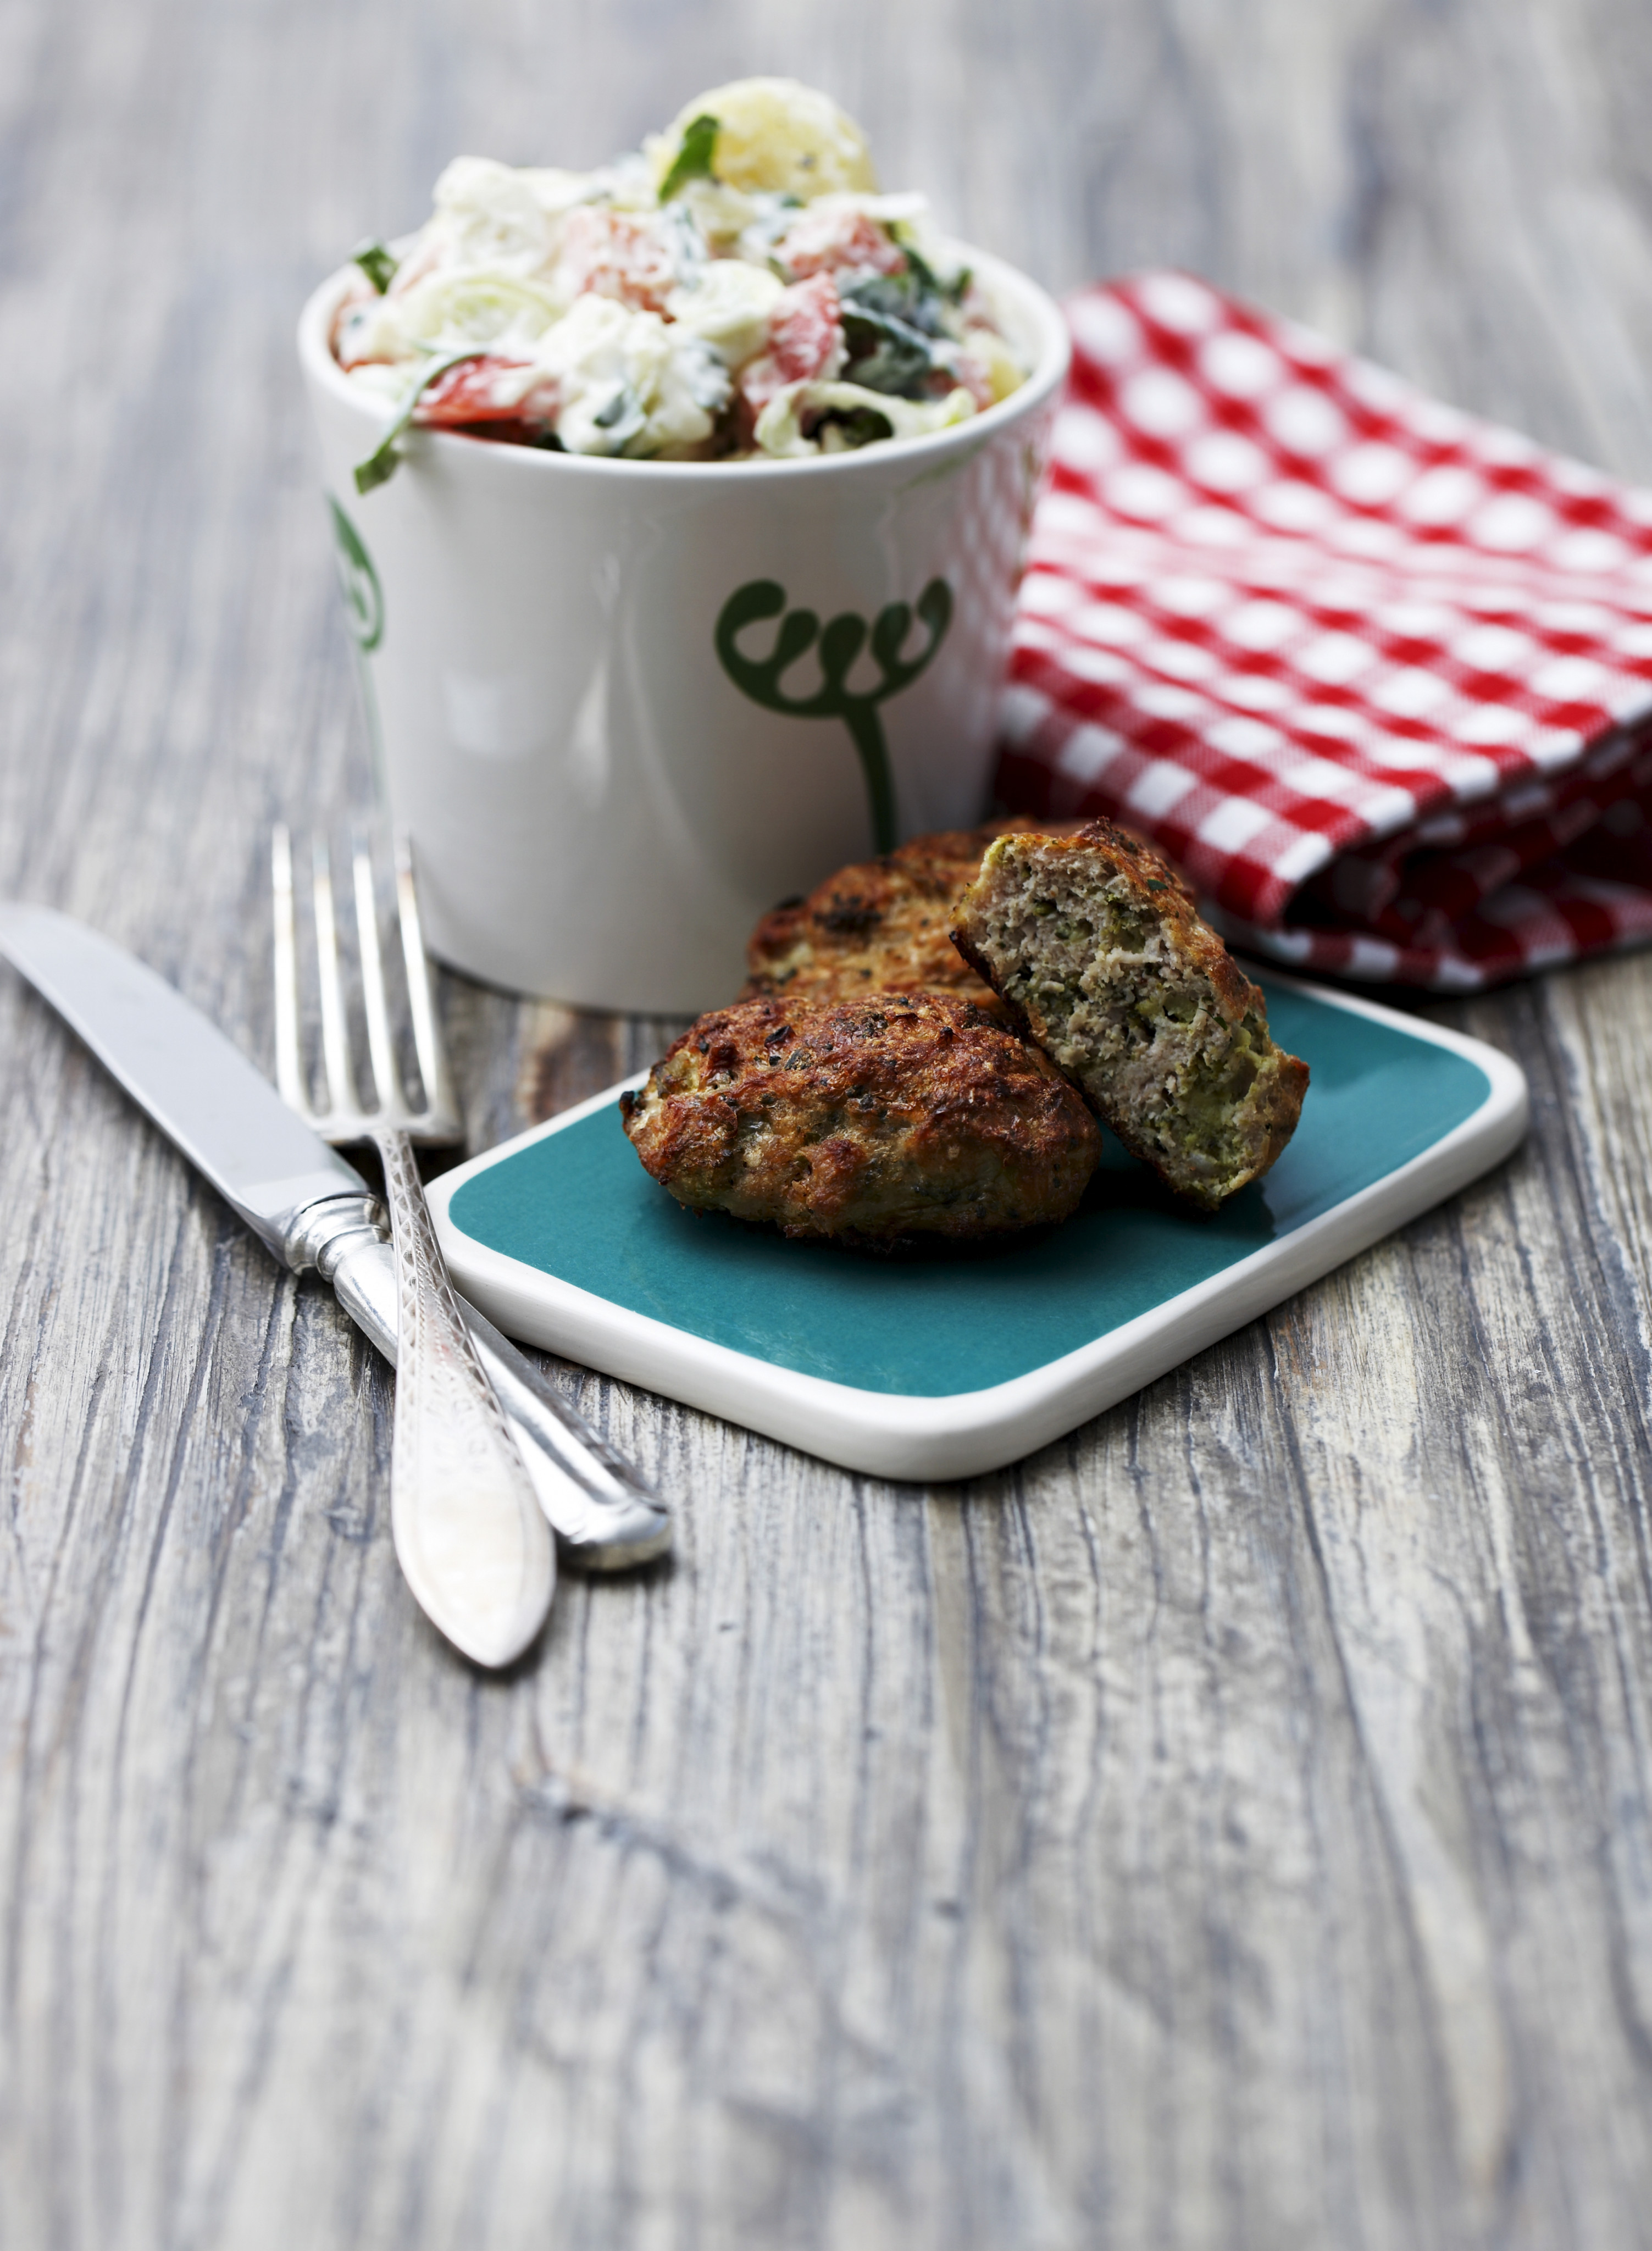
<point>313,1211</point>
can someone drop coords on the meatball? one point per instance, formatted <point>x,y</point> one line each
<point>878,927</point>
<point>1095,945</point>
<point>868,1122</point>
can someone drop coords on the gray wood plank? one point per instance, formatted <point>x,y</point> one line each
<point>1232,1825</point>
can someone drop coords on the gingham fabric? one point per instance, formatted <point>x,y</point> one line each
<point>1375,675</point>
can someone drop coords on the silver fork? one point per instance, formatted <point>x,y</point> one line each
<point>604,1512</point>
<point>468,1531</point>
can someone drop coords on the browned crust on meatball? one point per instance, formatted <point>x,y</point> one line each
<point>868,1122</point>
<point>1094,944</point>
<point>881,926</point>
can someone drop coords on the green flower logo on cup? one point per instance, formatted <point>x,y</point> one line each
<point>358,582</point>
<point>364,615</point>
<point>841,642</point>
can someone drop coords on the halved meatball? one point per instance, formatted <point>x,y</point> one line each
<point>868,1122</point>
<point>1096,947</point>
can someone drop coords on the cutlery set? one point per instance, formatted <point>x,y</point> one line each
<point>488,1459</point>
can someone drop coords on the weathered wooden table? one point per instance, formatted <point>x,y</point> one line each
<point>1231,1826</point>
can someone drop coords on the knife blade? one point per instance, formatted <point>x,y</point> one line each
<point>312,1210</point>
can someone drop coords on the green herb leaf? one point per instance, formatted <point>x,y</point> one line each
<point>905,297</point>
<point>380,465</point>
<point>376,264</point>
<point>924,275</point>
<point>885,355</point>
<point>693,159</point>
<point>861,425</point>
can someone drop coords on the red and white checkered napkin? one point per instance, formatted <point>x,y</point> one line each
<point>1376,674</point>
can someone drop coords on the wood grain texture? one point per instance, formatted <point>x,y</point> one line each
<point>1231,1826</point>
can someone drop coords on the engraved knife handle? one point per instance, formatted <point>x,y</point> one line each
<point>468,1532</point>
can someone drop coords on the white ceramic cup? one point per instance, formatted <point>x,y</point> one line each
<point>605,782</point>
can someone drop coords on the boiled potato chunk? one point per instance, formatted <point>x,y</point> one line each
<point>775,134</point>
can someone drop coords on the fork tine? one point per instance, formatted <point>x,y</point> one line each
<point>441,1103</point>
<point>386,1080</point>
<point>289,1068</point>
<point>341,1085</point>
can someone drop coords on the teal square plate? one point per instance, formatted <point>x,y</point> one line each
<point>945,1366</point>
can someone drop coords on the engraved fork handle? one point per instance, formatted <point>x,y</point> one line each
<point>468,1528</point>
<point>604,1513</point>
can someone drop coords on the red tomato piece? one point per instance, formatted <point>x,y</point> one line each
<point>806,329</point>
<point>976,380</point>
<point>838,242</point>
<point>615,254</point>
<point>805,341</point>
<point>472,392</point>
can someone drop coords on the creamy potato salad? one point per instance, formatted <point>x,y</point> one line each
<point>737,290</point>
